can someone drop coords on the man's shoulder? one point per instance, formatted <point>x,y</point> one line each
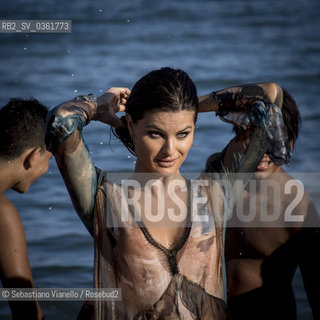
<point>6,206</point>
<point>10,222</point>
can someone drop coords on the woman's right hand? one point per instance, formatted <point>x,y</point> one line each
<point>108,104</point>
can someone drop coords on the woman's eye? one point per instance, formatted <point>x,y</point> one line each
<point>182,134</point>
<point>154,134</point>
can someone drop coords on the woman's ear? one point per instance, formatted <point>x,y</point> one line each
<point>30,157</point>
<point>130,125</point>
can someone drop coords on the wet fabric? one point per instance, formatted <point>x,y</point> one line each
<point>126,259</point>
<point>279,149</point>
<point>61,128</point>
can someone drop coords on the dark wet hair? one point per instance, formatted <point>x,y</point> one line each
<point>165,89</point>
<point>291,117</point>
<point>22,126</point>
<point>213,163</point>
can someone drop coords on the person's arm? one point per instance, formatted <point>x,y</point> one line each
<point>240,106</point>
<point>238,98</point>
<point>64,140</point>
<point>256,110</point>
<point>14,264</point>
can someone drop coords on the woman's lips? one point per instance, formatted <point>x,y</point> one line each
<point>166,163</point>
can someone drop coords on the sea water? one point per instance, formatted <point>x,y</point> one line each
<point>115,42</point>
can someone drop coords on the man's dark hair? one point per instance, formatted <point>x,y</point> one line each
<point>22,126</point>
<point>291,116</point>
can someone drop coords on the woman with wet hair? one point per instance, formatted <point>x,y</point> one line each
<point>169,267</point>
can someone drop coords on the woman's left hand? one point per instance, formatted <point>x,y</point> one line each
<point>109,103</point>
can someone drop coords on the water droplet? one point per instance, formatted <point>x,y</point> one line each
<point>25,49</point>
<point>75,90</point>
<point>100,10</point>
<point>50,208</point>
<point>128,20</point>
<point>72,74</point>
<point>129,157</point>
<point>100,90</point>
<point>101,142</point>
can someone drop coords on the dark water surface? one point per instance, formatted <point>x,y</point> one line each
<point>113,43</point>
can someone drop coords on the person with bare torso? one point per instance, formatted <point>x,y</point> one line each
<point>23,159</point>
<point>262,258</point>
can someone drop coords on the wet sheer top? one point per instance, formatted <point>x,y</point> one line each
<point>185,280</point>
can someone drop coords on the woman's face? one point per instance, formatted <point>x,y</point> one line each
<point>162,140</point>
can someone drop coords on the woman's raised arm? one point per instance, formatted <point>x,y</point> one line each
<point>235,99</point>
<point>64,140</point>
